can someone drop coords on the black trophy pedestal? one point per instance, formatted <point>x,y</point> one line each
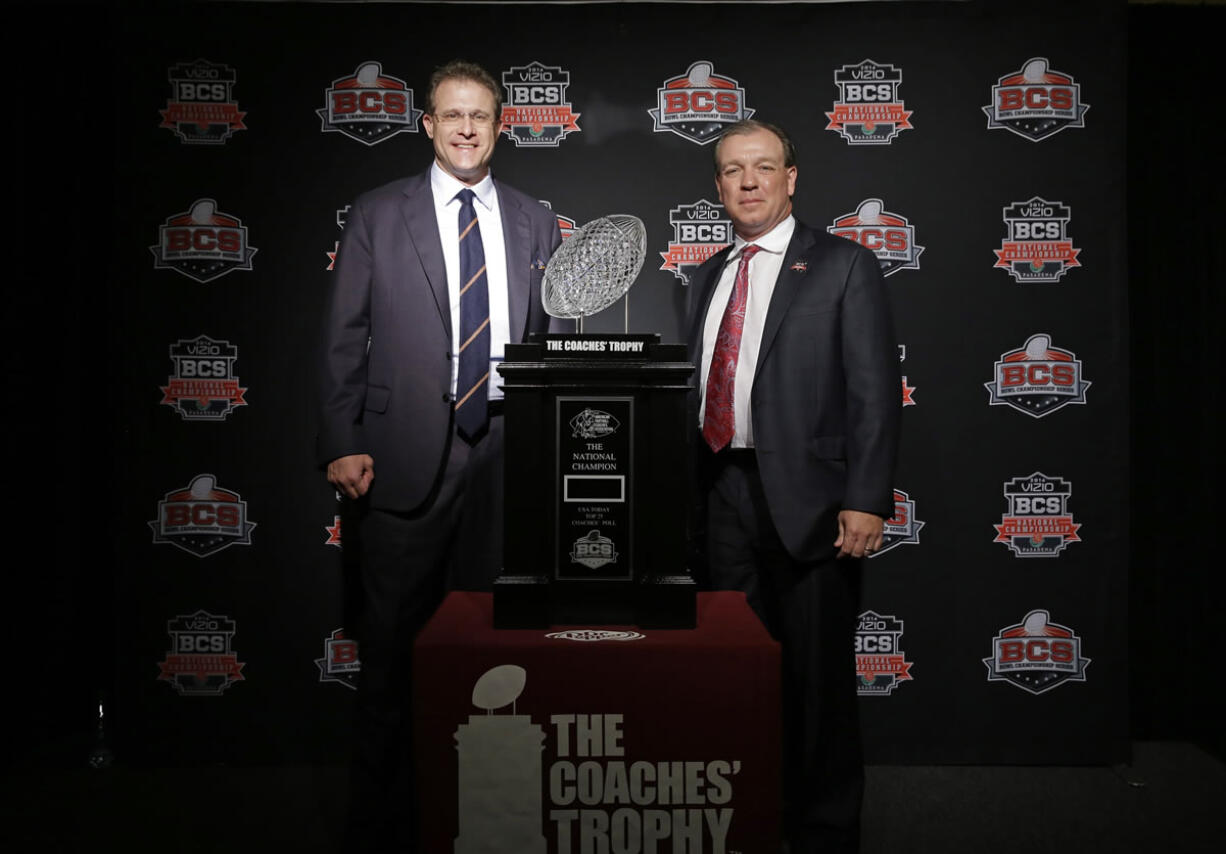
<point>596,486</point>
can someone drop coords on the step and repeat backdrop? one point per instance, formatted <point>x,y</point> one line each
<point>976,149</point>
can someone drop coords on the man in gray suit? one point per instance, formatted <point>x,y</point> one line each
<point>435,275</point>
<point>798,409</point>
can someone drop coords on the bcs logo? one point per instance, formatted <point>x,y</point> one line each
<point>536,113</point>
<point>881,665</point>
<point>1036,655</point>
<point>1036,102</point>
<point>1037,522</point>
<point>202,518</point>
<point>369,106</point>
<point>902,527</point>
<point>1036,247</point>
<point>202,243</point>
<point>203,386</point>
<point>340,662</point>
<point>699,105</point>
<point>593,551</point>
<point>201,109</point>
<point>200,662</point>
<point>699,231</point>
<point>890,237</point>
<point>868,111</point>
<point>1038,379</point>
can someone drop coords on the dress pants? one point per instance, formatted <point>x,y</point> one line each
<point>811,609</point>
<point>407,562</point>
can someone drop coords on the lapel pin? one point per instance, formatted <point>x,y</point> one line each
<point>800,267</point>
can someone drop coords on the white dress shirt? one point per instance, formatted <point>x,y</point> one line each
<point>763,272</point>
<point>489,219</point>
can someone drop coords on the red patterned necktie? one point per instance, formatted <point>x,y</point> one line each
<point>719,420</point>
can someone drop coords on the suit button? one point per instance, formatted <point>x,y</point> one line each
<point>446,397</point>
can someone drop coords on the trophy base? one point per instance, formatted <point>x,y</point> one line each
<point>521,602</point>
<point>654,602</point>
<point>667,602</point>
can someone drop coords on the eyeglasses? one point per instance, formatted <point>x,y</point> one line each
<point>455,117</point>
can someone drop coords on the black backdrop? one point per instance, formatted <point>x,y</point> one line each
<point>954,590</point>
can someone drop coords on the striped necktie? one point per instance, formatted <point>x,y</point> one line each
<point>472,405</point>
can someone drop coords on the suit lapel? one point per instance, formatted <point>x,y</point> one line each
<point>517,238</point>
<point>417,209</point>
<point>792,276</point>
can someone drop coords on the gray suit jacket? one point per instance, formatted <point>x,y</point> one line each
<point>826,396</point>
<point>385,370</point>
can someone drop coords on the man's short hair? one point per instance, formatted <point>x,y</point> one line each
<point>748,126</point>
<point>458,69</point>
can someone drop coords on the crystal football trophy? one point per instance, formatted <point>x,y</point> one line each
<point>594,268</point>
<point>596,477</point>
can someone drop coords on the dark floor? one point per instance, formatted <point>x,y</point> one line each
<point>1171,799</point>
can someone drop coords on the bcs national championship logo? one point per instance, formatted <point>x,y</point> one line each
<point>699,231</point>
<point>880,662</point>
<point>202,518</point>
<point>1037,379</point>
<point>200,662</point>
<point>902,527</point>
<point>1037,522</point>
<point>1036,102</point>
<point>203,386</point>
<point>699,105</point>
<point>536,113</point>
<point>369,106</point>
<point>890,237</point>
<point>1036,247</point>
<point>868,111</point>
<point>1036,655</point>
<point>201,109</point>
<point>340,662</point>
<point>202,243</point>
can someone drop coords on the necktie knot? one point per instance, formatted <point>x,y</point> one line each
<point>749,251</point>
<point>466,197</point>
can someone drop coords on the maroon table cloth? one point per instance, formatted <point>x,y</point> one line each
<point>597,739</point>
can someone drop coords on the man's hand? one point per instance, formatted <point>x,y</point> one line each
<point>859,533</point>
<point>352,474</point>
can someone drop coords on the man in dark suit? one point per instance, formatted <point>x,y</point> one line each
<point>798,407</point>
<point>435,274</point>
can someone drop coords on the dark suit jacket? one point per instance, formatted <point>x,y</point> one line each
<point>385,374</point>
<point>826,396</point>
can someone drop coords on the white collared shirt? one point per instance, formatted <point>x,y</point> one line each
<point>763,272</point>
<point>489,219</point>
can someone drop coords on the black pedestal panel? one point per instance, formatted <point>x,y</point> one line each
<point>596,483</point>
